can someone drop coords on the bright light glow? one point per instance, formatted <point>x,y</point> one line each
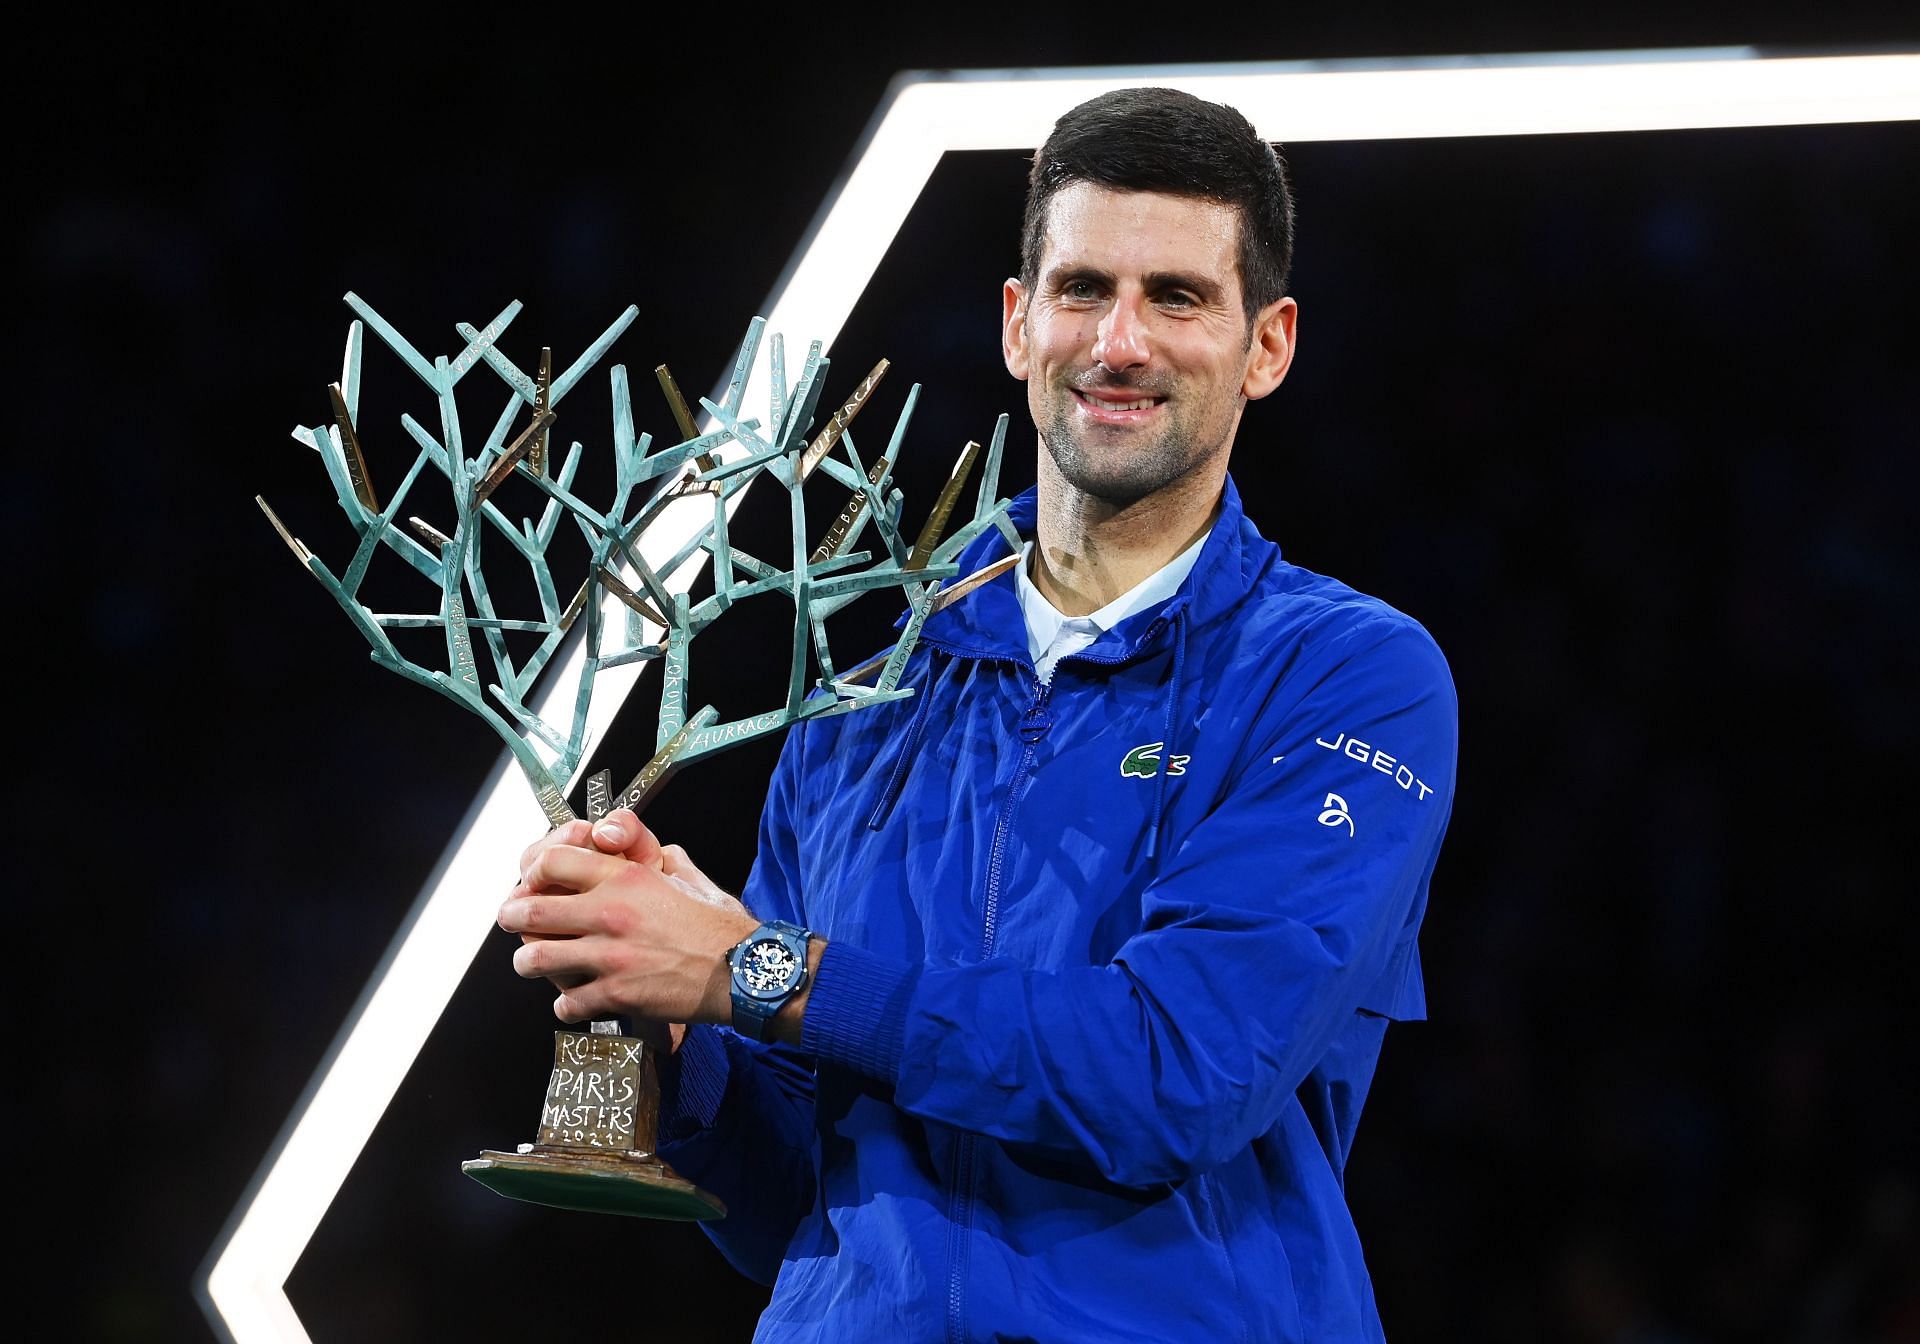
<point>1462,96</point>
<point>1011,110</point>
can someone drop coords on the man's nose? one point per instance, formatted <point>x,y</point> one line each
<point>1121,342</point>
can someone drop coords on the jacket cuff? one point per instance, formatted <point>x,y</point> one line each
<point>693,1080</point>
<point>857,1010</point>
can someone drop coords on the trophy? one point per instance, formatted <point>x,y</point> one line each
<point>594,1147</point>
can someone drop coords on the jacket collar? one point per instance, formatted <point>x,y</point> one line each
<point>987,623</point>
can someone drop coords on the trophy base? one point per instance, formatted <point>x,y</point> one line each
<point>595,1182</point>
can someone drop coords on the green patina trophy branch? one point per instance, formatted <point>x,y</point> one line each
<point>819,579</point>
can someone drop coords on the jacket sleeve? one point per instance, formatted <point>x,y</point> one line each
<point>736,1116</point>
<point>1291,905</point>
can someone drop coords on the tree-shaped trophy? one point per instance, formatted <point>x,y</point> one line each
<point>594,1146</point>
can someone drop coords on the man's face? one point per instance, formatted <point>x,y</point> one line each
<point>1134,343</point>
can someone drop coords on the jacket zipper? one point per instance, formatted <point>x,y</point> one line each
<point>1034,725</point>
<point>1035,722</point>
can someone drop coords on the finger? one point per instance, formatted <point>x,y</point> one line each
<point>622,832</point>
<point>547,916</point>
<point>571,833</point>
<point>705,892</point>
<point>675,864</point>
<point>558,981</point>
<point>569,868</point>
<point>570,1006</point>
<point>580,997</point>
<point>566,962</point>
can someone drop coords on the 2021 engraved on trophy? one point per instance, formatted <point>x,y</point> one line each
<point>668,516</point>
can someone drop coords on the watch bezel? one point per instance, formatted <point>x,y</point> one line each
<point>753,1008</point>
<point>795,976</point>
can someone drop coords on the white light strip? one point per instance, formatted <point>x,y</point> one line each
<point>1452,99</point>
<point>1012,110</point>
<point>1542,95</point>
<point>406,996</point>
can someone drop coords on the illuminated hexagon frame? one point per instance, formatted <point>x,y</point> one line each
<point>241,1286</point>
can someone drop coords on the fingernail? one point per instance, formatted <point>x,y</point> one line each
<point>610,833</point>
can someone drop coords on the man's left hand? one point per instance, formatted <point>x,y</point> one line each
<point>644,936</point>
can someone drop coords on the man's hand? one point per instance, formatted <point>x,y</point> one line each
<point>624,926</point>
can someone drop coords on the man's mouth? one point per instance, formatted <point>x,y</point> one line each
<point>1104,405</point>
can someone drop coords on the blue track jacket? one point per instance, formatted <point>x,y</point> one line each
<point>1110,962</point>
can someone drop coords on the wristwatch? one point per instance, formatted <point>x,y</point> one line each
<point>769,968</point>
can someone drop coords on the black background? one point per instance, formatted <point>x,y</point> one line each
<point>1627,421</point>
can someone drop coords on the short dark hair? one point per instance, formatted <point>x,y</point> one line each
<point>1169,141</point>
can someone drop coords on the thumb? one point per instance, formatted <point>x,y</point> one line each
<point>621,832</point>
<point>676,865</point>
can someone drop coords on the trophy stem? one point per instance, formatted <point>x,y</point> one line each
<point>598,1127</point>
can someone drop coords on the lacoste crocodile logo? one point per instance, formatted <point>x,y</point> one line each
<point>1143,762</point>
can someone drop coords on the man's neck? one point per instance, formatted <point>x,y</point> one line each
<point>1087,551</point>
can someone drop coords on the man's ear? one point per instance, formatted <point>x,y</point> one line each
<point>1270,354</point>
<point>1013,328</point>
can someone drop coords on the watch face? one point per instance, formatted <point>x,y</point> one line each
<point>768,967</point>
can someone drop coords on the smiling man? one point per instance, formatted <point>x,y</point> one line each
<point>1065,979</point>
<point>1140,349</point>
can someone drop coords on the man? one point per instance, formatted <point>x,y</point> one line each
<point>1107,921</point>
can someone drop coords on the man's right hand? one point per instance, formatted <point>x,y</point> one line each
<point>621,833</point>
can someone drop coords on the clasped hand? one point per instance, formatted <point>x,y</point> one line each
<point>623,926</point>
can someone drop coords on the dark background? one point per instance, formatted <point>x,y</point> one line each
<point>1626,421</point>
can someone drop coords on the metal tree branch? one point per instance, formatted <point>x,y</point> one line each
<point>819,579</point>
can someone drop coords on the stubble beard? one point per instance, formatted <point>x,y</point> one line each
<point>1126,469</point>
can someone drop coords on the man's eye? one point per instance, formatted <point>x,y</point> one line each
<point>1080,289</point>
<point>1177,298</point>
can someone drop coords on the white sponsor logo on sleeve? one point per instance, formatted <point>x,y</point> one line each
<point>1336,813</point>
<point>1367,754</point>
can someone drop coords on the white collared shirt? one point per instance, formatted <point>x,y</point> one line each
<point>1051,636</point>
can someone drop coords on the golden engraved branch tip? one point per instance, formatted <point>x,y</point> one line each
<point>946,598</point>
<point>620,590</point>
<point>682,414</point>
<point>350,447</point>
<point>430,534</point>
<point>542,402</point>
<point>577,605</point>
<point>942,508</point>
<point>300,552</point>
<point>849,514</point>
<point>843,417</point>
<point>516,450</point>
